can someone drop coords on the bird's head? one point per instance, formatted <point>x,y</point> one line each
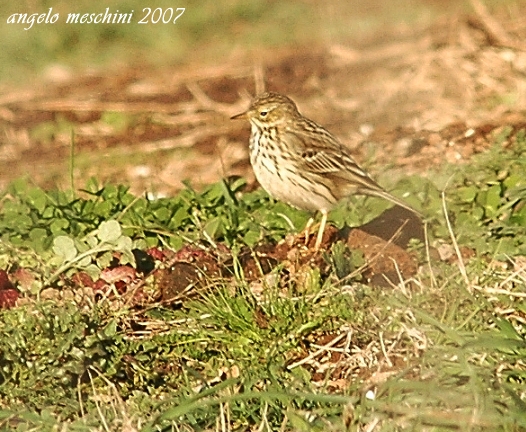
<point>270,109</point>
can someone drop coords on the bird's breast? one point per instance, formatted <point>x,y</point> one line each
<point>278,172</point>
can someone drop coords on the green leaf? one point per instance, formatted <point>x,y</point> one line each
<point>58,226</point>
<point>214,193</point>
<point>179,217</point>
<point>105,260</point>
<point>341,259</point>
<point>251,237</point>
<point>514,180</point>
<point>176,242</point>
<point>467,193</point>
<point>84,262</point>
<point>109,231</point>
<point>19,222</point>
<point>127,257</point>
<point>124,244</point>
<point>37,198</point>
<point>214,227</point>
<point>507,329</point>
<point>39,237</point>
<point>111,329</point>
<point>149,242</point>
<point>64,247</point>
<point>93,271</point>
<point>163,213</point>
<point>104,208</point>
<point>493,199</point>
<point>228,194</point>
<point>18,187</point>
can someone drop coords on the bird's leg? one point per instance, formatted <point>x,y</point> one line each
<point>323,222</point>
<point>308,226</point>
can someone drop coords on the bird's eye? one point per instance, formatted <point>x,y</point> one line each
<point>263,113</point>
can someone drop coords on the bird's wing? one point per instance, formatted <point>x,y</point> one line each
<point>322,154</point>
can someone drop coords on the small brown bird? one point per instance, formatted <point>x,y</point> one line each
<point>299,162</point>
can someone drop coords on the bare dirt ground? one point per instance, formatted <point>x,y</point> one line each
<point>409,98</point>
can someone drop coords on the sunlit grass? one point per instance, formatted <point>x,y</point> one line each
<point>294,349</point>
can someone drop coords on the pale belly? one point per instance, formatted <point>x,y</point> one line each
<point>290,187</point>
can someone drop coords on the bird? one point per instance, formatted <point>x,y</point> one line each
<point>301,163</point>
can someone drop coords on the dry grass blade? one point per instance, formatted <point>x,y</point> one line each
<point>204,101</point>
<point>461,265</point>
<point>317,352</point>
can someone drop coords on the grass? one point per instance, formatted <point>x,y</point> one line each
<point>296,349</point>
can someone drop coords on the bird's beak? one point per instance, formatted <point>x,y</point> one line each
<point>239,116</point>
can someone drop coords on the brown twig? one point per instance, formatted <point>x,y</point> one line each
<point>207,103</point>
<point>492,28</point>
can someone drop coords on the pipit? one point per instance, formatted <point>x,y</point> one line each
<point>299,162</point>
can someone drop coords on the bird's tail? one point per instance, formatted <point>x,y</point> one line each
<point>386,195</point>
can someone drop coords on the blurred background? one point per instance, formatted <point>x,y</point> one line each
<point>149,104</point>
<point>209,31</point>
